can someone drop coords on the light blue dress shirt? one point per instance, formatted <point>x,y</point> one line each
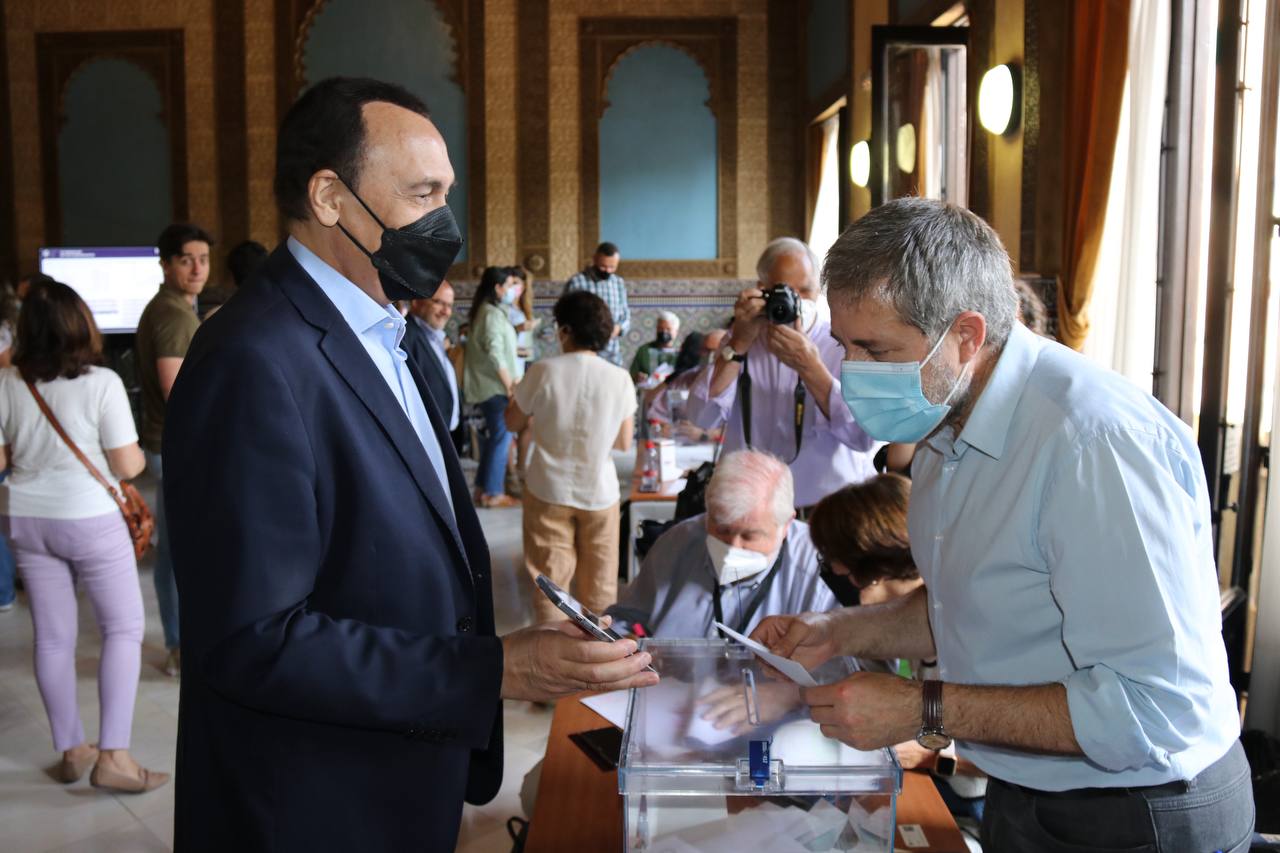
<point>436,338</point>
<point>1065,537</point>
<point>379,328</point>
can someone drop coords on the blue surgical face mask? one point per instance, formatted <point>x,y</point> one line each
<point>887,398</point>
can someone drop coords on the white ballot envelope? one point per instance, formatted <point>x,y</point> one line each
<point>791,669</point>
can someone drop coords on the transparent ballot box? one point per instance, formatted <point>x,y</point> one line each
<point>721,757</point>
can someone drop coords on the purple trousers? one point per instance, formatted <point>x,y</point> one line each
<point>53,557</point>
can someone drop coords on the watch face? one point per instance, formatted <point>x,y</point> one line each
<point>727,353</point>
<point>933,740</point>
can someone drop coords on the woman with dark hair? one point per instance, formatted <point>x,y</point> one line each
<point>67,530</point>
<point>580,407</point>
<point>521,315</point>
<point>489,373</point>
<point>861,535</point>
<point>864,556</point>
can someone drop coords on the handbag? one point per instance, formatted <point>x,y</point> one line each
<point>137,515</point>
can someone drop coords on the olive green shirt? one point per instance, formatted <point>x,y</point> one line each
<point>165,330</point>
<point>490,345</point>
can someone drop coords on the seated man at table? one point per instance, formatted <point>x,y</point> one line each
<point>746,558</point>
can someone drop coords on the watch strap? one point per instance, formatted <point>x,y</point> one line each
<point>931,713</point>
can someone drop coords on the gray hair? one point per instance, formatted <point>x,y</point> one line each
<point>670,317</point>
<point>745,479</point>
<point>931,261</point>
<point>786,246</point>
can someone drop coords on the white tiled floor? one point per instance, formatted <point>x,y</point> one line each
<point>37,814</point>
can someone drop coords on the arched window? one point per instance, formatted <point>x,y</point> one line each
<point>658,157</point>
<point>115,184</point>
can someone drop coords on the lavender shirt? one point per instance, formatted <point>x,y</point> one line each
<point>834,452</point>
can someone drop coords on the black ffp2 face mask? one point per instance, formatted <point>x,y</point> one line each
<point>841,586</point>
<point>663,339</point>
<point>413,260</point>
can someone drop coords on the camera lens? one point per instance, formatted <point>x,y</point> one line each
<point>782,305</point>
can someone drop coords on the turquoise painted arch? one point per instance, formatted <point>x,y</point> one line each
<point>658,157</point>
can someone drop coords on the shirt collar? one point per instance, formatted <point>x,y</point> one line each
<point>436,335</point>
<point>988,426</point>
<point>356,307</point>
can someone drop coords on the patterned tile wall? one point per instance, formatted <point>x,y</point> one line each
<point>701,305</point>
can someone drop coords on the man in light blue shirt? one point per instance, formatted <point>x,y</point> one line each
<point>1060,518</point>
<point>379,328</point>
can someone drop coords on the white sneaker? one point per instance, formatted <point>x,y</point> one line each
<point>5,608</point>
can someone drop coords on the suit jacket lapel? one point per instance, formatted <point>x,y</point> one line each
<point>468,523</point>
<point>348,357</point>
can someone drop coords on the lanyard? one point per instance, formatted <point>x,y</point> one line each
<point>744,395</point>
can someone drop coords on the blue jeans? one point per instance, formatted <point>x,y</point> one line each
<point>166,586</point>
<point>493,454</point>
<point>7,567</point>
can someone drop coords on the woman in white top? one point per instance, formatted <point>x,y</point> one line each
<point>581,408</point>
<point>67,530</point>
<point>8,323</point>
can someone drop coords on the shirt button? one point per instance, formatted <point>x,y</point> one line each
<point>464,624</point>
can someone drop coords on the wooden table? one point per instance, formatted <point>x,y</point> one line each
<point>579,808</point>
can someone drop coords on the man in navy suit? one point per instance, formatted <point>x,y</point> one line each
<point>342,678</point>
<point>426,345</point>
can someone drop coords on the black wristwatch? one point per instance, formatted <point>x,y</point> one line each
<point>932,735</point>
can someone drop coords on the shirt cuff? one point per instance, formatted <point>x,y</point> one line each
<point>1105,722</point>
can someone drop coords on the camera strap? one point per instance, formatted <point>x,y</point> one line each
<point>744,398</point>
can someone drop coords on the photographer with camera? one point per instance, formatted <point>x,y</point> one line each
<point>773,383</point>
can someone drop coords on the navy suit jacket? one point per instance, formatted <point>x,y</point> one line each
<point>340,684</point>
<point>418,347</point>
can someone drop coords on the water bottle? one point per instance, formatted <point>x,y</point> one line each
<point>649,473</point>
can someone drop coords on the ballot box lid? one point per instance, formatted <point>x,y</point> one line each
<point>721,722</point>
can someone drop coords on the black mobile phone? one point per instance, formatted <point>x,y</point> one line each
<point>603,746</point>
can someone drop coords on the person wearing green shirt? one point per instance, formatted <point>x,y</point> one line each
<point>661,350</point>
<point>489,378</point>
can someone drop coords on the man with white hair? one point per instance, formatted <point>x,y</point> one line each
<point>746,558</point>
<point>1060,519</point>
<point>658,357</point>
<point>773,385</point>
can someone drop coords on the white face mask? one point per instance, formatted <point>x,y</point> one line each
<point>808,314</point>
<point>736,564</point>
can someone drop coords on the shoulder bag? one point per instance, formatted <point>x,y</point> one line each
<point>137,515</point>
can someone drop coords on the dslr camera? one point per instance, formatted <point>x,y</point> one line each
<point>781,304</point>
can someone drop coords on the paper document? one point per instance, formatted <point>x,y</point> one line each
<point>791,669</point>
<point>612,706</point>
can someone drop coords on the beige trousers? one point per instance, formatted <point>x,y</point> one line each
<point>576,548</point>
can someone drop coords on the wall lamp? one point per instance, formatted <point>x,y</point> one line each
<point>860,163</point>
<point>1000,99</point>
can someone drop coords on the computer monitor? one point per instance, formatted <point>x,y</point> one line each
<point>117,282</point>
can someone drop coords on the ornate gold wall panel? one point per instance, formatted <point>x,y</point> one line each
<point>261,119</point>
<point>501,120</point>
<point>24,20</point>
<point>533,226</point>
